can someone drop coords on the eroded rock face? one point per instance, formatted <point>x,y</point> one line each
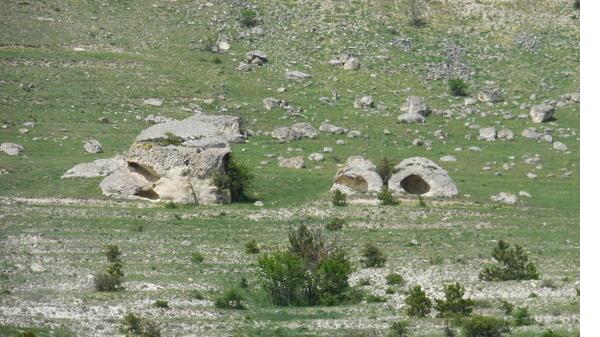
<point>97,168</point>
<point>421,176</point>
<point>176,161</point>
<point>357,176</point>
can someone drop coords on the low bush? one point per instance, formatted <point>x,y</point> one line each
<point>161,304</point>
<point>507,307</point>
<point>231,299</point>
<point>372,256</point>
<point>372,298</point>
<point>394,279</point>
<point>398,329</point>
<point>338,199</point>
<point>27,333</point>
<point>513,264</point>
<point>197,257</point>
<point>457,87</point>
<point>112,253</point>
<point>236,179</point>
<point>386,198</point>
<point>417,302</point>
<point>252,247</point>
<point>335,224</point>
<point>551,333</point>
<point>110,279</point>
<point>135,325</point>
<point>454,304</point>
<point>248,18</point>
<point>385,169</point>
<point>522,317</point>
<point>484,326</point>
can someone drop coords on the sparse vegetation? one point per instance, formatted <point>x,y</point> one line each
<point>454,303</point>
<point>248,18</point>
<point>522,317</point>
<point>385,169</point>
<point>513,265</point>
<point>338,198</point>
<point>398,329</point>
<point>197,257</point>
<point>335,224</point>
<point>386,198</point>
<point>457,87</point>
<point>394,279</point>
<point>252,247</point>
<point>236,179</point>
<point>417,302</point>
<point>161,304</point>
<point>372,256</point>
<point>111,278</point>
<point>484,326</point>
<point>138,326</point>
<point>231,299</point>
<point>415,10</point>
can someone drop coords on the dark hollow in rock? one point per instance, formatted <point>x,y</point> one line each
<point>148,194</point>
<point>414,184</point>
<point>355,183</point>
<point>146,172</point>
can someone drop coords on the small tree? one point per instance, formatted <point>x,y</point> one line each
<point>386,198</point>
<point>454,304</point>
<point>522,317</point>
<point>415,10</point>
<point>252,247</point>
<point>111,278</point>
<point>484,326</point>
<point>231,299</point>
<point>513,265</point>
<point>398,329</point>
<point>335,224</point>
<point>137,326</point>
<point>248,18</point>
<point>417,302</point>
<point>338,198</point>
<point>457,87</point>
<point>385,170</point>
<point>283,277</point>
<point>372,256</point>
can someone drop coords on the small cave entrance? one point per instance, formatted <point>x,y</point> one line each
<point>146,172</point>
<point>356,183</point>
<point>414,184</point>
<point>148,194</point>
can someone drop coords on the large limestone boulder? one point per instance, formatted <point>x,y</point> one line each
<point>541,113</point>
<point>415,105</point>
<point>357,176</point>
<point>421,176</point>
<point>176,161</point>
<point>285,134</point>
<point>305,130</point>
<point>11,149</point>
<point>97,168</point>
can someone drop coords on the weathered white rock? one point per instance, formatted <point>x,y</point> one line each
<point>411,118</point>
<point>530,133</point>
<point>421,176</point>
<point>505,198</point>
<point>488,134</point>
<point>285,134</point>
<point>352,64</point>
<point>448,158</point>
<point>97,168</point>
<point>415,105</point>
<point>305,130</point>
<point>316,156</point>
<point>559,146</point>
<point>92,146</point>
<point>153,101</point>
<point>198,126</point>
<point>541,113</point>
<point>297,76</point>
<point>505,134</point>
<point>11,149</point>
<point>292,162</point>
<point>256,57</point>
<point>357,176</point>
<point>364,102</point>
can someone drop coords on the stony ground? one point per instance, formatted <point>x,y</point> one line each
<point>71,71</point>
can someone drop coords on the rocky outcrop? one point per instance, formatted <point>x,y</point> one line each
<point>421,176</point>
<point>97,168</point>
<point>92,146</point>
<point>542,113</point>
<point>176,161</point>
<point>414,110</point>
<point>357,176</point>
<point>11,149</point>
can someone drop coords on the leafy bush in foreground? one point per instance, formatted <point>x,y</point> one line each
<point>372,256</point>
<point>133,324</point>
<point>484,326</point>
<point>454,304</point>
<point>338,198</point>
<point>457,87</point>
<point>417,302</point>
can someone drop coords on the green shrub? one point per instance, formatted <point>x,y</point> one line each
<point>398,329</point>
<point>454,304</point>
<point>171,139</point>
<point>244,283</point>
<point>170,205</point>
<point>522,317</point>
<point>507,307</point>
<point>417,302</point>
<point>283,277</point>
<point>448,331</point>
<point>161,304</point>
<point>457,87</point>
<point>513,265</point>
<point>248,18</point>
<point>110,279</point>
<point>197,257</point>
<point>484,326</point>
<point>372,298</point>
<point>394,278</point>
<point>385,169</point>
<point>364,282</point>
<point>332,275</point>
<point>390,290</point>
<point>113,254</point>
<point>197,294</point>
<point>335,224</point>
<point>231,299</point>
<point>27,333</point>
<point>138,326</point>
<point>252,247</point>
<point>338,198</point>
<point>236,179</point>
<point>551,333</point>
<point>386,197</point>
<point>216,60</point>
<point>372,256</point>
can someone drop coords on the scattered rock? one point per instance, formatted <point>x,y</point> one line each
<point>364,102</point>
<point>297,76</point>
<point>11,149</point>
<point>488,134</point>
<point>505,198</point>
<point>559,146</point>
<point>357,176</point>
<point>92,146</point>
<point>316,156</point>
<point>505,134</point>
<point>153,101</point>
<point>305,130</point>
<point>542,113</point>
<point>448,158</point>
<point>256,57</point>
<point>293,162</point>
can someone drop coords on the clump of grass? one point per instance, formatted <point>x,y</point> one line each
<point>137,326</point>
<point>197,294</point>
<point>371,298</point>
<point>417,302</point>
<point>197,257</point>
<point>338,198</point>
<point>522,317</point>
<point>231,299</point>
<point>27,333</point>
<point>335,224</point>
<point>484,326</point>
<point>394,279</point>
<point>161,304</point>
<point>171,139</point>
<point>372,256</point>
<point>251,247</point>
<point>457,87</point>
<point>398,329</point>
<point>170,205</point>
<point>415,10</point>
<point>507,307</point>
<point>421,201</point>
<point>513,264</point>
<point>216,60</point>
<point>248,18</point>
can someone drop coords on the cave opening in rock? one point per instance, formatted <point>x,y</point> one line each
<point>146,172</point>
<point>148,194</point>
<point>414,184</point>
<point>356,183</point>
